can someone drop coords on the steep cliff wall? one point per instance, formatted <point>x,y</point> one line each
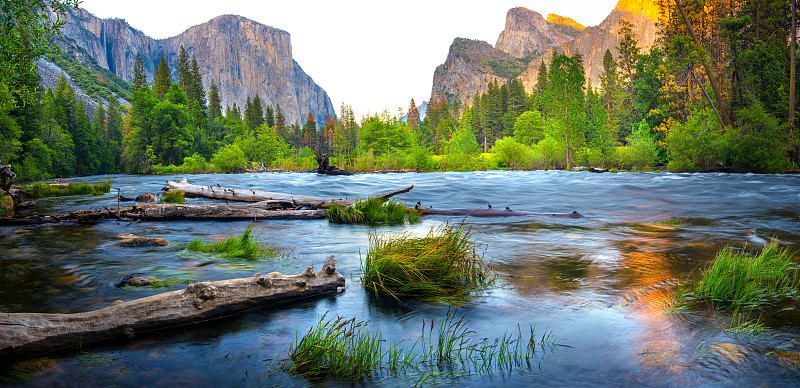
<point>528,32</point>
<point>594,41</point>
<point>243,57</point>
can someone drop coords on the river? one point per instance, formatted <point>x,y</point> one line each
<point>601,284</point>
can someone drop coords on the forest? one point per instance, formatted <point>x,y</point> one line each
<point>716,93</point>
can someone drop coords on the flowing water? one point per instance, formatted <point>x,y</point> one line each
<point>602,284</point>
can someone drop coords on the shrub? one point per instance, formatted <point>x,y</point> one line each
<point>229,159</point>
<point>444,263</point>
<point>41,189</point>
<point>511,154</point>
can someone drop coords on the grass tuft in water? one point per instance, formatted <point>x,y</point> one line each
<point>750,281</point>
<point>444,263</point>
<point>41,189</point>
<point>173,196</point>
<point>344,349</point>
<point>674,221</point>
<point>243,246</point>
<point>373,211</point>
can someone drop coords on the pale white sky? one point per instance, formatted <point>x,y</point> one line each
<point>370,54</point>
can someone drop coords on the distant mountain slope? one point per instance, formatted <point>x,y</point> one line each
<point>243,57</point>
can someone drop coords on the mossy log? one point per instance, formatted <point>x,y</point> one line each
<point>247,195</point>
<point>26,334</point>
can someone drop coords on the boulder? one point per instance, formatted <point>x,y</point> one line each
<point>146,197</point>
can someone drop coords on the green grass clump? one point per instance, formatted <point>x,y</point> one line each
<point>748,281</point>
<point>243,246</point>
<point>674,221</point>
<point>41,189</point>
<point>373,211</point>
<point>444,263</point>
<point>173,196</point>
<point>344,349</point>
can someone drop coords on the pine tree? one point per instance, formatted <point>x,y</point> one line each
<point>139,75</point>
<point>413,116</point>
<point>184,72</point>
<point>248,113</point>
<point>196,91</point>
<point>214,102</point>
<point>628,54</point>
<point>280,121</point>
<point>270,116</point>
<point>258,112</point>
<point>310,136</point>
<point>162,79</point>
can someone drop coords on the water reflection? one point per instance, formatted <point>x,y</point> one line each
<point>602,284</point>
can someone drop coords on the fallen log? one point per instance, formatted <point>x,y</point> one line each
<point>493,213</point>
<point>26,334</point>
<point>246,195</point>
<point>264,210</point>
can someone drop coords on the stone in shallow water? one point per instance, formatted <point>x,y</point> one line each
<point>142,242</point>
<point>146,197</point>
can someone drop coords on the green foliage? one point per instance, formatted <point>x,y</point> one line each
<point>372,211</point>
<point>529,128</point>
<point>758,144</point>
<point>641,151</point>
<point>511,154</point>
<point>41,189</point>
<point>345,350</point>
<point>743,280</point>
<point>173,196</point>
<point>443,264</point>
<point>695,144</point>
<point>170,281</point>
<point>382,136</point>
<point>548,154</point>
<point>243,246</point>
<point>230,158</point>
<point>95,80</point>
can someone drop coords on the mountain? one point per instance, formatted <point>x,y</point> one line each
<point>472,64</point>
<point>594,41</point>
<point>527,32</point>
<point>243,57</point>
<point>528,39</point>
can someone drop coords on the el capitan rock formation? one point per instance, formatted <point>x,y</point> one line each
<point>243,57</point>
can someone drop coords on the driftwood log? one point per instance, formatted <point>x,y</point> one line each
<point>324,166</point>
<point>264,210</point>
<point>493,213</point>
<point>245,195</point>
<point>26,334</point>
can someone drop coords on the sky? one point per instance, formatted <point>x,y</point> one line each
<point>371,54</point>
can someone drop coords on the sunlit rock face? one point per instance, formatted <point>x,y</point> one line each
<point>243,57</point>
<point>593,42</point>
<point>528,32</point>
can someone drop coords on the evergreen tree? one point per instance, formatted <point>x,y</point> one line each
<point>413,116</point>
<point>214,102</point>
<point>248,114</point>
<point>184,71</point>
<point>628,54</point>
<point>162,79</point>
<point>280,122</point>
<point>139,75</point>
<point>258,112</point>
<point>270,116</point>
<point>309,134</point>
<point>195,90</point>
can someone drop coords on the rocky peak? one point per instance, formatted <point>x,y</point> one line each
<point>566,25</point>
<point>527,32</point>
<point>243,57</point>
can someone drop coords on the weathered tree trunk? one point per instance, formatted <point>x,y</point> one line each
<point>25,334</point>
<point>264,210</point>
<point>233,194</point>
<point>493,213</point>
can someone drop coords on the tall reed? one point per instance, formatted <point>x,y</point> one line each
<point>444,263</point>
<point>344,349</point>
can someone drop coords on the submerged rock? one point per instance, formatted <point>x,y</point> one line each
<point>146,197</point>
<point>135,279</point>
<point>142,242</point>
<point>729,352</point>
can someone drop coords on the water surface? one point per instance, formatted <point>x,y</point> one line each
<point>602,284</point>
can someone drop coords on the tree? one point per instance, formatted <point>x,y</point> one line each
<point>529,128</point>
<point>162,79</point>
<point>214,102</point>
<point>184,71</point>
<point>413,115</point>
<point>139,75</point>
<point>269,116</point>
<point>258,112</point>
<point>195,90</point>
<point>629,52</point>
<point>309,135</point>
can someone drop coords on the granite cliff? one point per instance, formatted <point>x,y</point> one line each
<point>472,64</point>
<point>594,41</point>
<point>243,57</point>
<point>528,39</point>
